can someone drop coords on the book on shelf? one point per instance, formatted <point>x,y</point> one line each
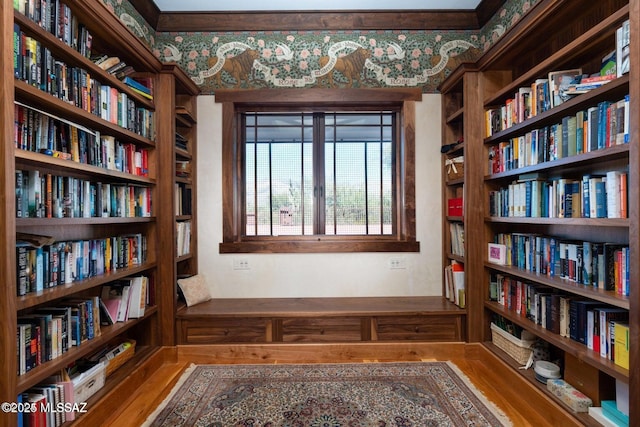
<point>456,230</point>
<point>559,82</point>
<point>141,93</point>
<point>597,414</point>
<point>608,66</point>
<point>611,412</point>
<point>137,296</point>
<point>454,283</point>
<point>593,196</point>
<point>109,311</point>
<point>599,265</point>
<point>607,339</point>
<point>118,291</point>
<point>621,344</point>
<point>181,141</point>
<point>135,84</point>
<point>623,48</point>
<point>183,238</point>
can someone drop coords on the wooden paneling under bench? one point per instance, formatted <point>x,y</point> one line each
<point>261,320</point>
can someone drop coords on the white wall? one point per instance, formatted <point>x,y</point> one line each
<point>321,275</point>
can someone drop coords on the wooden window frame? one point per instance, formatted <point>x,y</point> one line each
<point>236,101</point>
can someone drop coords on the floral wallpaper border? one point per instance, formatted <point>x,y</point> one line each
<point>289,59</point>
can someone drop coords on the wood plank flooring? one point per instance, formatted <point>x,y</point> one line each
<point>524,404</point>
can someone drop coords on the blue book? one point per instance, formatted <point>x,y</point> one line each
<point>587,266</point>
<point>625,287</point>
<point>553,257</point>
<point>586,206</point>
<point>19,400</point>
<point>39,270</point>
<point>626,119</point>
<point>136,85</point>
<point>602,124</point>
<point>610,410</point>
<point>601,199</point>
<point>17,57</point>
<point>528,199</point>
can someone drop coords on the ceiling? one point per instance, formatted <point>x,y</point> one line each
<point>312,5</point>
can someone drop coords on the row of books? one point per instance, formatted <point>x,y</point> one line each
<point>45,133</point>
<point>49,404</point>
<point>57,18</point>
<point>456,230</point>
<point>599,265</point>
<point>591,323</point>
<point>596,128</point>
<point>593,196</point>
<point>62,263</point>
<point>43,195</point>
<point>454,283</point>
<point>182,199</point>
<point>35,65</point>
<point>49,332</point>
<point>181,141</point>
<point>183,238</point>
<point>546,93</point>
<point>140,86</point>
<point>125,299</point>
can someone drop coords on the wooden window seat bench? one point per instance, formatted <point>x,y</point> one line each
<point>342,319</point>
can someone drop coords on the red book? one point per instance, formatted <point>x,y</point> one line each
<point>623,195</point>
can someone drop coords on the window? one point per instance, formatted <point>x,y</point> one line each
<point>318,173</point>
<point>323,172</point>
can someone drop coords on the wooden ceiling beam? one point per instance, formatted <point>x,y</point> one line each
<point>317,20</point>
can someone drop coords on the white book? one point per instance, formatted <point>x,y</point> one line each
<point>137,297</point>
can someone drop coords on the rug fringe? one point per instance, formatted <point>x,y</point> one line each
<point>183,377</point>
<point>504,419</point>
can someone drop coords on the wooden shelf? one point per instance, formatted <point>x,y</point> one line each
<point>34,97</point>
<point>577,349</point>
<point>50,163</point>
<point>578,37</point>
<point>614,90</point>
<point>583,418</point>
<point>43,371</point>
<point>607,297</point>
<point>109,36</point>
<point>52,294</point>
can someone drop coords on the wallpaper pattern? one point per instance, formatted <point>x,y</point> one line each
<point>339,59</point>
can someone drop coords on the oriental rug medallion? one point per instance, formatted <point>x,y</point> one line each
<point>332,395</point>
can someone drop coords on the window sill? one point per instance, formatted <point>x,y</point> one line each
<point>318,246</point>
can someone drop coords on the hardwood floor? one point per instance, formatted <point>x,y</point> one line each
<point>523,403</point>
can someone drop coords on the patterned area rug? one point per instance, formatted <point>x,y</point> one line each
<point>326,395</point>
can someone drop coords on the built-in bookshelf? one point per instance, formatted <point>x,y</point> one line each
<point>177,157</point>
<point>462,206</point>
<point>453,183</point>
<point>542,175</point>
<point>80,193</point>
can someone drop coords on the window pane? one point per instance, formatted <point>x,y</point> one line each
<point>355,187</point>
<point>358,175</point>
<point>278,190</point>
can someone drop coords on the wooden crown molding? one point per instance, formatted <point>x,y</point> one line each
<point>317,20</point>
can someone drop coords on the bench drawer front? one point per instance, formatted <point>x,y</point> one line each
<point>330,329</point>
<point>426,328</point>
<point>213,331</point>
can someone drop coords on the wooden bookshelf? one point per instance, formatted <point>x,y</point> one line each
<point>156,327</point>
<point>576,36</point>
<point>178,191</point>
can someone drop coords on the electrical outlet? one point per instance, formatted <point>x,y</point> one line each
<point>241,264</point>
<point>397,263</point>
